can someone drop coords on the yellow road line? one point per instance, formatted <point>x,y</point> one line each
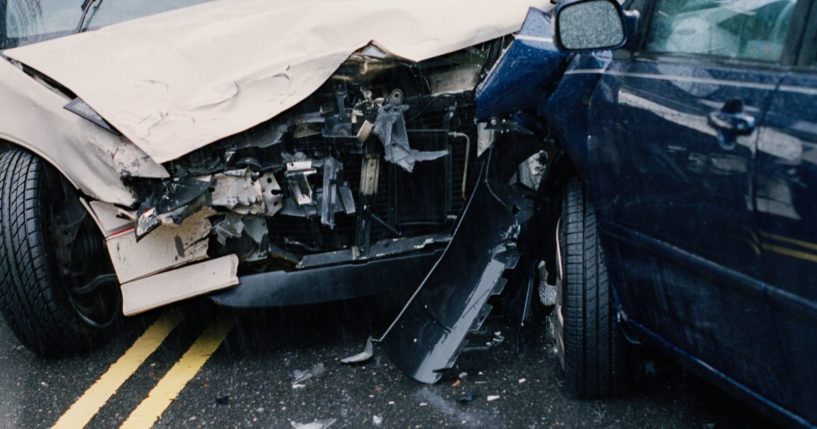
<point>86,407</point>
<point>791,252</point>
<point>801,243</point>
<point>169,387</point>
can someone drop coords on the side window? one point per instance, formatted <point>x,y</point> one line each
<point>738,29</point>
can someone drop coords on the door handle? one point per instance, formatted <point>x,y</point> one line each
<point>732,119</point>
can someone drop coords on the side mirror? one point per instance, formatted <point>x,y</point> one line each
<point>589,25</point>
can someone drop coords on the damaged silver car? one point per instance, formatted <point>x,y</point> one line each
<point>261,154</point>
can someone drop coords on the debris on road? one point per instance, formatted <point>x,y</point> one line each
<point>377,420</point>
<point>223,400</point>
<point>300,376</point>
<point>467,398</point>
<point>363,356</point>
<point>492,398</point>
<point>317,424</point>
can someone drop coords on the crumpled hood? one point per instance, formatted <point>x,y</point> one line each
<point>175,82</point>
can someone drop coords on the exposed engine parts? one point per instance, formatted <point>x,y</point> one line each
<point>380,153</point>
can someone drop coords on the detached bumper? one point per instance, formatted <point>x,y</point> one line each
<point>327,284</point>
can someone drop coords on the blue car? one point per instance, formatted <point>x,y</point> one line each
<point>684,153</point>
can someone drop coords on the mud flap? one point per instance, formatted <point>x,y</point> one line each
<point>429,333</point>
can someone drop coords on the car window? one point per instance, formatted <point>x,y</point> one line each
<point>29,21</point>
<point>736,29</point>
<point>27,18</point>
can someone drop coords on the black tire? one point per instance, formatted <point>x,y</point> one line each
<point>37,299</point>
<point>590,345</point>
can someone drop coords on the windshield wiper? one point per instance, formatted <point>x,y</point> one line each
<point>86,7</point>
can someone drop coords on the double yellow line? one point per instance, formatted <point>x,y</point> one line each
<point>165,391</point>
<point>790,247</point>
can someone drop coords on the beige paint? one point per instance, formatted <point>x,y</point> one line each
<point>177,285</point>
<point>167,247</point>
<point>32,116</point>
<point>174,82</point>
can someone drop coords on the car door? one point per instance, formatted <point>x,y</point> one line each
<point>786,201</point>
<point>672,141</point>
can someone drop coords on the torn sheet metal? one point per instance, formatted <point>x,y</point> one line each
<point>172,286</point>
<point>167,247</point>
<point>390,128</point>
<point>91,158</point>
<point>213,70</point>
<point>430,331</point>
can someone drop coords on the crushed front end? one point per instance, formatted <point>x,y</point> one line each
<point>364,179</point>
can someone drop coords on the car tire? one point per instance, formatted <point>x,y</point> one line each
<point>589,342</point>
<point>38,300</point>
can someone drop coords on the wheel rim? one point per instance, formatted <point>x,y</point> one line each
<point>558,315</point>
<point>83,269</point>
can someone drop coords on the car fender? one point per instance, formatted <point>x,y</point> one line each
<point>93,159</point>
<point>568,108</point>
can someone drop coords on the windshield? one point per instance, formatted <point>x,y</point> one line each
<point>29,21</point>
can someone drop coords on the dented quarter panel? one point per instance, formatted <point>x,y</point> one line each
<point>174,82</point>
<point>525,74</point>
<point>32,116</point>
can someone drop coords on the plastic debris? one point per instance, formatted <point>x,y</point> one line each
<point>467,398</point>
<point>317,424</point>
<point>299,376</point>
<point>522,380</point>
<point>377,420</point>
<point>492,398</point>
<point>363,356</point>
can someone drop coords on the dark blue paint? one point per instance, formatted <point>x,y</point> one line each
<point>703,174</point>
<point>522,75</point>
<point>786,203</point>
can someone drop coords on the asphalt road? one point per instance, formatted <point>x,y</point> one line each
<point>249,380</point>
